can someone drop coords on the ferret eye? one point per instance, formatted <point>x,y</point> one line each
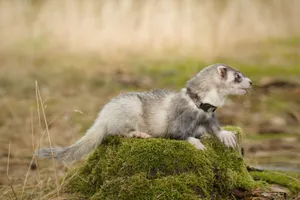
<point>237,77</point>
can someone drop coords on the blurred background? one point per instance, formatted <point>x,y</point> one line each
<point>61,61</point>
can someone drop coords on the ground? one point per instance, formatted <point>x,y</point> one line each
<point>73,89</point>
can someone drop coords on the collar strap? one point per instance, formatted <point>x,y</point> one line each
<point>208,107</point>
<point>196,99</point>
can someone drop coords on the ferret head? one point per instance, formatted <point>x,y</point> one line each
<point>231,81</point>
<point>215,82</point>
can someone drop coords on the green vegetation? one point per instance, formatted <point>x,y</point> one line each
<point>269,136</point>
<point>293,184</point>
<point>175,73</point>
<point>123,168</point>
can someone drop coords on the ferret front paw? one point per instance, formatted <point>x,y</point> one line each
<point>196,143</point>
<point>228,138</point>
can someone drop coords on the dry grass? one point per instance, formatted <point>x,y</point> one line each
<point>26,178</point>
<point>202,28</point>
<point>70,96</point>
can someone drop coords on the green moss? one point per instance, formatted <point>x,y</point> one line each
<point>130,168</point>
<point>139,186</point>
<point>279,178</point>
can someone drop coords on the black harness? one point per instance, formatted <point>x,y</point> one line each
<point>204,106</point>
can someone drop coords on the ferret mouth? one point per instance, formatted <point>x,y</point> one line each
<point>242,91</point>
<point>237,91</point>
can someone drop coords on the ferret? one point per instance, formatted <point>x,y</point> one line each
<point>184,115</point>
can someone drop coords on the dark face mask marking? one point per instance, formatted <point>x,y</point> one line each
<point>237,78</point>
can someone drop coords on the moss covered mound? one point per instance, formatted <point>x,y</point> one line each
<point>128,168</point>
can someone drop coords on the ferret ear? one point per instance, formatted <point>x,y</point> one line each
<point>222,71</point>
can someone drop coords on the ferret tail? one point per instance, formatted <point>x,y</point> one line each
<point>83,146</point>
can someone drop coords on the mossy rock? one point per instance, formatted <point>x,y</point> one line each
<point>131,168</point>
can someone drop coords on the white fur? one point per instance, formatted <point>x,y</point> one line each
<point>196,143</point>
<point>138,134</point>
<point>245,83</point>
<point>228,138</point>
<point>241,88</point>
<point>200,131</point>
<point>126,112</point>
<point>158,118</point>
<point>230,76</point>
<point>213,97</point>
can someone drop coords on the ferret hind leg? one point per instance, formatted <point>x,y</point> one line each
<point>138,134</point>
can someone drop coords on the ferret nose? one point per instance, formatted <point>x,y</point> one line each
<point>250,83</point>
